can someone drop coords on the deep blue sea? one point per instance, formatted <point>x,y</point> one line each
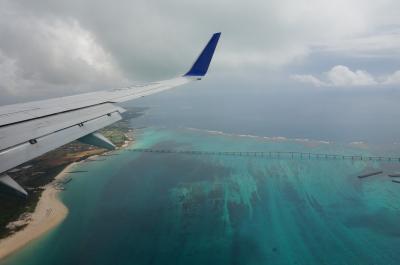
<point>148,208</point>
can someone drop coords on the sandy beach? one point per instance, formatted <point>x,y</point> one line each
<point>49,212</point>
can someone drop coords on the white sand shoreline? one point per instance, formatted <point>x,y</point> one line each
<point>49,212</point>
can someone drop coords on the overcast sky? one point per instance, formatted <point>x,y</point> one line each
<point>51,48</point>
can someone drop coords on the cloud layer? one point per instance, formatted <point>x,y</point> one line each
<point>50,48</point>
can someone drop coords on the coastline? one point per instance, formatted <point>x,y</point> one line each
<point>49,212</point>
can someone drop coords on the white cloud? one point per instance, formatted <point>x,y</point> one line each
<point>338,76</point>
<point>44,57</point>
<point>342,76</point>
<point>392,79</point>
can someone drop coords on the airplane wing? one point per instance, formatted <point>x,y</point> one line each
<point>31,129</point>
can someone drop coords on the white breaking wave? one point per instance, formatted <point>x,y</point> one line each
<point>268,138</point>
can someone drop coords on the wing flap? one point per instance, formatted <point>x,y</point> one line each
<point>18,133</point>
<point>18,154</point>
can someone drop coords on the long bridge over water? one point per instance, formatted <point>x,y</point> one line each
<point>272,154</point>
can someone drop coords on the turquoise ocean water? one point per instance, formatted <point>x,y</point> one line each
<point>143,208</point>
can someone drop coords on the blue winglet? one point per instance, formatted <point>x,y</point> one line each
<point>200,66</point>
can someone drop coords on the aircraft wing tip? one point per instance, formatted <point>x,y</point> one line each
<point>202,63</point>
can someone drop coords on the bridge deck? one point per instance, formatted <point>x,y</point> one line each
<point>272,154</point>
